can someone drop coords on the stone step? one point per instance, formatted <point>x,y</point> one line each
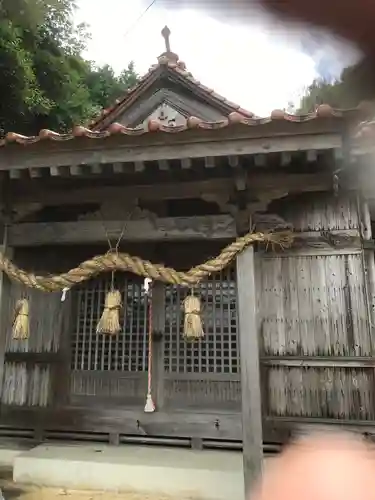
<point>186,473</point>
<point>10,449</point>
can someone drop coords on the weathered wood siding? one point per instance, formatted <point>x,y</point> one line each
<point>29,364</point>
<point>313,319</point>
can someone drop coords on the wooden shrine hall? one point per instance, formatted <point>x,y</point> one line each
<point>173,173</point>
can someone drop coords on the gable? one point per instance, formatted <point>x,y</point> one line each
<point>168,85</point>
<point>177,100</point>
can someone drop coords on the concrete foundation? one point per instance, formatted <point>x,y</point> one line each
<point>9,450</point>
<point>209,475</point>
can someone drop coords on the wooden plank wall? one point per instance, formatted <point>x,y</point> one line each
<point>35,369</point>
<point>313,319</point>
<point>29,364</point>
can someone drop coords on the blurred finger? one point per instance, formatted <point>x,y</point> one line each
<point>320,468</point>
<point>351,19</point>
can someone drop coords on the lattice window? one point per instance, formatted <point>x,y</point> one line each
<point>218,352</point>
<point>127,351</point>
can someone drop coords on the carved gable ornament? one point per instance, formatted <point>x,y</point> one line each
<point>167,115</point>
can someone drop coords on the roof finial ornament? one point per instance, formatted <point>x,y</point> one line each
<point>166,33</point>
<point>168,56</point>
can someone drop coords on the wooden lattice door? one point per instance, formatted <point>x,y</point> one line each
<point>203,374</point>
<point>111,368</point>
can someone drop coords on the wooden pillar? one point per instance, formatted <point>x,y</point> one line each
<point>65,323</point>
<point>250,376</point>
<point>158,309</point>
<point>369,262</point>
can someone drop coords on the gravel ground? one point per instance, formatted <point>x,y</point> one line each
<point>12,491</point>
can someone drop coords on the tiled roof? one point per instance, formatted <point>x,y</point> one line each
<point>106,125</point>
<point>177,67</point>
<point>155,126</point>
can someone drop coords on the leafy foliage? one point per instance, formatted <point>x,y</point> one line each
<point>45,82</point>
<point>356,83</point>
<point>105,87</point>
<point>324,92</point>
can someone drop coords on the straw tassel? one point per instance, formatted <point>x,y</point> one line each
<point>21,320</point>
<point>110,321</point>
<point>193,328</point>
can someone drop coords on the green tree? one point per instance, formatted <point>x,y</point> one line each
<point>45,83</point>
<point>356,84</point>
<point>105,87</point>
<point>321,91</point>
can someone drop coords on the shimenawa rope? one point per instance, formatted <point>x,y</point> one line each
<point>125,262</point>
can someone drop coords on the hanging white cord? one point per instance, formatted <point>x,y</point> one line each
<point>150,405</point>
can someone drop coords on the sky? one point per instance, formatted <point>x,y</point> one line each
<point>257,63</point>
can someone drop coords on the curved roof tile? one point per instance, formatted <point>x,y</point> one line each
<point>154,126</point>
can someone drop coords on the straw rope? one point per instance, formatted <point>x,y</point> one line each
<point>112,261</point>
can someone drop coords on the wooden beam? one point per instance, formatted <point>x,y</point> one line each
<point>260,160</point>
<point>338,154</point>
<point>118,167</point>
<point>35,173</point>
<point>286,158</point>
<point>96,168</point>
<point>139,166</point>
<point>56,171</point>
<point>209,162</point>
<point>186,163</point>
<point>292,183</point>
<point>174,424</point>
<point>365,221</point>
<point>31,358</point>
<point>147,192</point>
<point>81,232</point>
<point>240,179</point>
<point>60,390</point>
<point>234,161</point>
<point>335,239</point>
<point>75,170</point>
<point>92,152</point>
<point>311,156</point>
<point>163,164</point>
<point>15,173</point>
<point>252,433</point>
<point>320,361</point>
<point>369,262</point>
